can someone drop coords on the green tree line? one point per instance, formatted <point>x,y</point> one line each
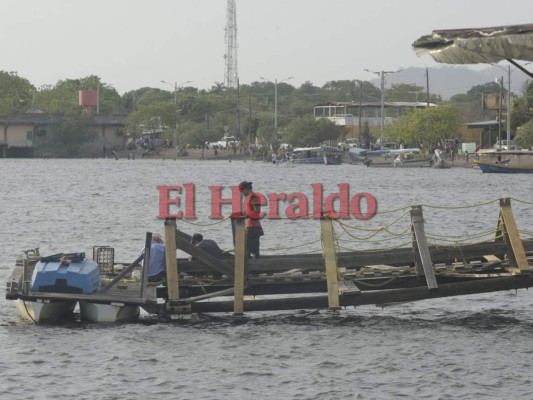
<point>197,115</point>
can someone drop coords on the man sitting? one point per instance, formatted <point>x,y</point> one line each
<point>157,261</point>
<point>207,245</point>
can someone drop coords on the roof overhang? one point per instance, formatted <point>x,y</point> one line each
<point>482,124</point>
<point>479,45</point>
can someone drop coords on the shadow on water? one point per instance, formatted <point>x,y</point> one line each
<point>489,320</point>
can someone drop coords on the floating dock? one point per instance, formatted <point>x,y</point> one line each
<point>331,280</point>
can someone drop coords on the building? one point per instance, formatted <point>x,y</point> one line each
<point>352,117</point>
<point>25,135</point>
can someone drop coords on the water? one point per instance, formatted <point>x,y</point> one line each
<point>470,347</point>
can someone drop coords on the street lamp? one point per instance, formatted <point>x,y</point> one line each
<point>508,102</point>
<point>382,74</point>
<point>276,100</point>
<point>360,104</point>
<point>176,87</point>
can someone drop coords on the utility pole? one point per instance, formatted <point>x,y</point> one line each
<point>360,108</point>
<point>382,74</point>
<point>176,87</point>
<point>276,102</point>
<point>508,105</point>
<point>427,86</point>
<point>500,115</point>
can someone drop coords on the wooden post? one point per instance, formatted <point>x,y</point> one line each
<point>330,260</point>
<point>146,261</point>
<point>171,261</point>
<point>508,229</point>
<point>26,277</point>
<point>240,264</point>
<point>421,248</point>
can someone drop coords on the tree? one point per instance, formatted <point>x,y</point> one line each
<point>524,135</point>
<point>63,97</point>
<point>71,133</point>
<point>409,92</point>
<point>151,118</point>
<point>306,131</point>
<point>265,132</point>
<point>15,94</point>
<point>426,125</point>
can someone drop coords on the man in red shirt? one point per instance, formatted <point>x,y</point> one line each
<point>252,210</point>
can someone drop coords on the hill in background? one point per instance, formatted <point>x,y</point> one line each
<point>450,80</point>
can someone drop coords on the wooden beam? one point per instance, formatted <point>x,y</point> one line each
<point>374,297</point>
<point>330,261</point>
<point>222,266</point>
<point>352,260</point>
<point>240,263</point>
<point>171,260</point>
<point>348,288</point>
<point>517,254</point>
<point>421,248</point>
<point>146,261</point>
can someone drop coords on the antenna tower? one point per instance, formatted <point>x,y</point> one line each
<point>230,39</point>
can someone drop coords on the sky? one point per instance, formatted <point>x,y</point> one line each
<point>132,44</point>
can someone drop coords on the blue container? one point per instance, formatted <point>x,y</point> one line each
<point>76,277</point>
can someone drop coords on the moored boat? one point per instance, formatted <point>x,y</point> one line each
<point>505,162</point>
<point>317,155</point>
<point>396,158</point>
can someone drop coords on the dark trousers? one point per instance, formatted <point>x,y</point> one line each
<point>252,241</point>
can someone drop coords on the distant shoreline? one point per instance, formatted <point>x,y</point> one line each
<point>227,156</point>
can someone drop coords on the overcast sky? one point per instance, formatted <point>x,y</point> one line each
<point>131,44</point>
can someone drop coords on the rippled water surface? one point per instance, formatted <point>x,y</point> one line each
<point>469,347</point>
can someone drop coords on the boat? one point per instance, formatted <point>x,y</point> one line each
<point>505,161</point>
<point>438,161</point>
<point>401,158</point>
<point>327,155</point>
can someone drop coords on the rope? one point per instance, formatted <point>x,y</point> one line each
<point>521,201</point>
<point>371,284</point>
<point>378,230</point>
<point>210,224</point>
<point>461,207</point>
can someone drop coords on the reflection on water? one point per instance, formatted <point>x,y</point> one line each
<point>466,347</point>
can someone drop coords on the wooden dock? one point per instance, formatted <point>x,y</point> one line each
<point>330,280</point>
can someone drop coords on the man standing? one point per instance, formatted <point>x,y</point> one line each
<point>252,210</point>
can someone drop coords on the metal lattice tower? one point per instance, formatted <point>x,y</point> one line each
<point>230,39</point>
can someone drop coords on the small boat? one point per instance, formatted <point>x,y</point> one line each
<point>396,158</point>
<point>438,161</point>
<point>316,155</point>
<point>505,161</point>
